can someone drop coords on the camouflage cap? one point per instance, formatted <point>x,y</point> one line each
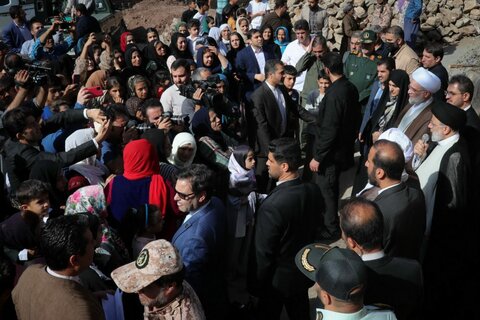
<point>157,259</point>
<point>368,36</point>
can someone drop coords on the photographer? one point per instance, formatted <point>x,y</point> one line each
<point>45,48</point>
<point>155,115</point>
<point>172,100</point>
<point>20,84</point>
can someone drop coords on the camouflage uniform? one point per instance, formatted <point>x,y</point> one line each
<point>185,306</point>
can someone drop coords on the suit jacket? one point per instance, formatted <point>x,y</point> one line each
<point>473,120</point>
<point>247,67</point>
<point>67,299</point>
<point>200,241</point>
<point>268,117</point>
<point>370,110</point>
<point>286,222</point>
<point>419,126</point>
<point>397,282</point>
<point>404,215</point>
<point>19,158</point>
<point>338,121</point>
<point>13,38</point>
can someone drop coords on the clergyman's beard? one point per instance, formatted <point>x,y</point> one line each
<point>414,101</point>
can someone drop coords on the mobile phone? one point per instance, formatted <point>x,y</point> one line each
<point>76,79</point>
<point>95,91</point>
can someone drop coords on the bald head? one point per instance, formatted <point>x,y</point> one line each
<point>389,157</point>
<point>362,220</point>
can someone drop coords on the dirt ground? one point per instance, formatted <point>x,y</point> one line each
<point>153,13</point>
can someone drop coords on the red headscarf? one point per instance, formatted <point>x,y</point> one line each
<point>123,40</point>
<point>140,160</point>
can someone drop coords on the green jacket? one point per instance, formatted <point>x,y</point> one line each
<point>362,72</point>
<point>313,66</point>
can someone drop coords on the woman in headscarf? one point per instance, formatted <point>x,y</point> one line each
<point>126,38</point>
<point>157,52</point>
<point>112,252</point>
<point>178,48</point>
<point>269,41</point>
<point>391,103</point>
<point>282,38</point>
<point>184,148</point>
<point>51,173</point>
<point>214,146</point>
<point>225,35</point>
<point>90,168</point>
<point>242,27</point>
<point>181,27</point>
<point>142,184</point>
<point>216,35</point>
<point>212,59</point>
<point>135,63</point>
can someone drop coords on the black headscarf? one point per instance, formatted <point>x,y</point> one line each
<point>173,47</point>
<point>152,55</point>
<point>202,127</point>
<point>216,67</point>
<point>232,54</point>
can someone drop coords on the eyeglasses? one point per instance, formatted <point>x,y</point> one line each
<point>184,196</point>
<point>450,93</point>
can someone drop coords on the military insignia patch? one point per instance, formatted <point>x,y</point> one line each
<point>142,260</point>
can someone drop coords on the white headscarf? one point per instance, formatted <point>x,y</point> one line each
<point>215,33</point>
<point>90,167</point>
<point>240,178</point>
<point>396,135</point>
<point>181,140</point>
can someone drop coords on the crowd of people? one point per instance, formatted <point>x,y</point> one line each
<point>200,179</point>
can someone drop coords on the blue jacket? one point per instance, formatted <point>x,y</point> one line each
<point>247,66</point>
<point>200,242</point>
<point>14,37</point>
<point>414,9</point>
<point>369,110</point>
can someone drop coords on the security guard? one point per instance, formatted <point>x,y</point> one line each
<point>361,69</point>
<point>340,280</point>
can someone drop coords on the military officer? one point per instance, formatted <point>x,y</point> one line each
<point>340,280</point>
<point>361,69</point>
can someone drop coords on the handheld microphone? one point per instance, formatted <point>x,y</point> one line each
<point>416,157</point>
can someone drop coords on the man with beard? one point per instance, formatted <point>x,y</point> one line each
<point>405,58</point>
<point>403,207</point>
<point>445,178</point>
<point>17,31</point>
<point>158,277</point>
<point>415,116</point>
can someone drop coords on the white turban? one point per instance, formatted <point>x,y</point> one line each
<point>427,80</point>
<point>396,135</point>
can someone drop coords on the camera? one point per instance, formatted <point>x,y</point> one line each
<point>39,71</point>
<point>177,120</point>
<point>211,97</point>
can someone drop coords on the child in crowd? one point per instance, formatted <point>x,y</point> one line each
<point>188,14</point>
<point>289,82</point>
<point>19,233</point>
<point>161,82</point>
<point>202,16</point>
<point>211,22</point>
<point>241,206</point>
<point>140,227</point>
<point>314,100</point>
<point>256,10</point>
<point>194,39</point>
<point>282,38</point>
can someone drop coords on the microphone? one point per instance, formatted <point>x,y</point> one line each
<point>416,157</point>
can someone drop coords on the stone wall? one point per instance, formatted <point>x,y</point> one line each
<point>449,20</point>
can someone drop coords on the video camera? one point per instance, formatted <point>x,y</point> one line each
<point>39,71</point>
<point>211,96</point>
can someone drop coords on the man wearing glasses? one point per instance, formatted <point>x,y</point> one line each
<point>415,116</point>
<point>201,237</point>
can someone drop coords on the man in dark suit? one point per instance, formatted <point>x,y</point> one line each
<point>395,281</point>
<point>286,222</point>
<point>251,61</point>
<point>274,114</point>
<point>201,238</point>
<point>432,61</point>
<point>17,31</point>
<point>337,127</point>
<point>403,207</point>
<point>23,149</point>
